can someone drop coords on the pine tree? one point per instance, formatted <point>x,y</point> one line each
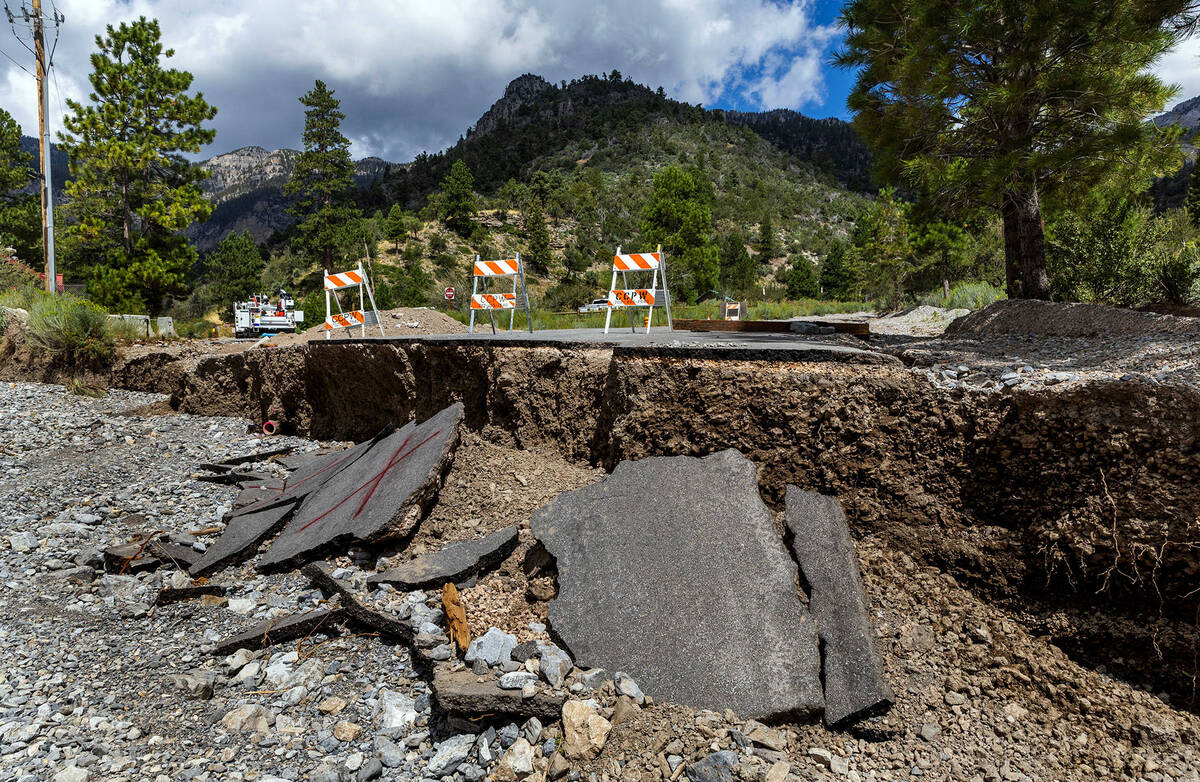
<point>679,217</point>
<point>457,199</point>
<point>233,268</point>
<point>396,225</point>
<point>801,279</point>
<point>1192,201</point>
<point>322,180</point>
<point>134,190</point>
<point>841,278</point>
<point>738,269</point>
<point>537,238</point>
<point>765,246</point>
<point>20,224</point>
<point>1003,104</point>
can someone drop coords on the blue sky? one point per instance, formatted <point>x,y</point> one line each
<point>413,75</point>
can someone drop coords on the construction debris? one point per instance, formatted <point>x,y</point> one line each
<point>456,617</point>
<point>853,671</point>
<point>670,569</point>
<point>380,495</point>
<point>453,564</point>
<point>168,595</point>
<point>463,694</point>
<point>274,631</point>
<point>147,555</point>
<point>321,575</point>
<point>242,537</point>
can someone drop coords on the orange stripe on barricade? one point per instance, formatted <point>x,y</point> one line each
<point>341,280</point>
<point>636,262</point>
<point>501,268</point>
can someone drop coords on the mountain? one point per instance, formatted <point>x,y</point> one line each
<point>1169,192</point>
<point>607,123</point>
<point>535,122</point>
<point>1186,114</point>
<point>246,189</point>
<point>60,172</point>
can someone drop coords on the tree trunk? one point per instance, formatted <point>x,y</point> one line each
<point>1024,244</point>
<point>945,276</point>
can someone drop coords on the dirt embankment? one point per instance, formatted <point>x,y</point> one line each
<point>1030,317</point>
<point>1056,500</point>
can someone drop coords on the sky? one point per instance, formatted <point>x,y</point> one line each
<point>413,75</point>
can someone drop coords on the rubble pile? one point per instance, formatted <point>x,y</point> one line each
<point>672,625</point>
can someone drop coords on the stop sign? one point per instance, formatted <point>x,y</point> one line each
<point>450,294</point>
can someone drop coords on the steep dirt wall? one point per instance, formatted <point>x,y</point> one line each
<point>1063,500</point>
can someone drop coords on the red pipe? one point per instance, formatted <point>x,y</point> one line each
<point>270,427</point>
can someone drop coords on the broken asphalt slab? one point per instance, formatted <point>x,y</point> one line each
<point>307,478</point>
<point>855,687</point>
<point>454,563</point>
<point>242,537</point>
<point>464,694</point>
<point>288,628</point>
<point>136,557</point>
<point>380,495</point>
<point>321,575</point>
<point>671,570</point>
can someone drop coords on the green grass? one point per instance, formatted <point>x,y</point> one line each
<point>965,295</point>
<point>546,320</point>
<point>74,332</point>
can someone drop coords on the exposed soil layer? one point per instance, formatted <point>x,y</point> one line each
<point>1057,500</point>
<point>1053,319</point>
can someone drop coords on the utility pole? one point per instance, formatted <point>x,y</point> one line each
<point>43,68</point>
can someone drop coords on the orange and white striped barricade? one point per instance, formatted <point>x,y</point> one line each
<point>639,263</point>
<point>483,300</point>
<point>338,281</point>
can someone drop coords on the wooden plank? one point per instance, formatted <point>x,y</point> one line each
<point>859,328</point>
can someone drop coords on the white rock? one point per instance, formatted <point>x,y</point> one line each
<point>395,711</point>
<point>242,605</point>
<point>450,754</point>
<point>249,718</point>
<point>72,774</point>
<point>519,758</point>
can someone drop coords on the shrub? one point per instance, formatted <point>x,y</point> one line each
<point>965,295</point>
<point>72,331</point>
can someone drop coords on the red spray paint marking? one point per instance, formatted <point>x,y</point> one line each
<point>374,482</point>
<point>288,488</point>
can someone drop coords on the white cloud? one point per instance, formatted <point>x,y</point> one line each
<point>1181,66</point>
<point>413,74</point>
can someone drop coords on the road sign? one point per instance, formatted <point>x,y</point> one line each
<point>449,293</point>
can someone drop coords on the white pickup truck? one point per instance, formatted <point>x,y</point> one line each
<point>257,316</point>
<point>596,305</point>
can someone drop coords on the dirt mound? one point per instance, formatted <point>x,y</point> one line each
<point>1029,317</point>
<point>399,322</point>
<point>922,321</point>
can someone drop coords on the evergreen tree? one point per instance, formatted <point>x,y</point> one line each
<point>802,280</point>
<point>679,217</point>
<point>766,246</point>
<point>537,238</point>
<point>396,226</point>
<point>881,245</point>
<point>20,221</point>
<point>841,278</point>
<point>322,180</point>
<point>233,269</point>
<point>1192,201</point>
<point>134,190</point>
<point>943,246</point>
<point>457,199</point>
<point>738,269</point>
<point>1006,103</point>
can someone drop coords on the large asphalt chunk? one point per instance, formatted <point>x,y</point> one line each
<point>854,684</point>
<point>454,563</point>
<point>671,570</point>
<point>242,537</point>
<point>380,495</point>
<point>306,479</point>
